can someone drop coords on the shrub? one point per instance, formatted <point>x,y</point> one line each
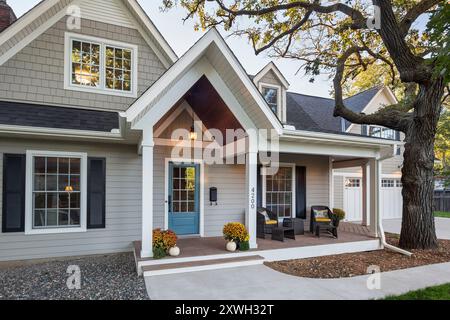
<point>244,246</point>
<point>339,213</point>
<point>235,231</point>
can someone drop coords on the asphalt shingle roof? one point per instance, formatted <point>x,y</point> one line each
<point>21,114</point>
<point>316,113</point>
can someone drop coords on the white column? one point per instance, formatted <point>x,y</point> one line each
<point>365,195</point>
<point>251,187</point>
<point>374,202</point>
<point>147,193</point>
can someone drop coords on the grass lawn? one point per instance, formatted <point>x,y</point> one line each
<point>442,214</point>
<point>432,293</point>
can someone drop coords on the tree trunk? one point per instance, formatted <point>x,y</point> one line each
<point>418,229</point>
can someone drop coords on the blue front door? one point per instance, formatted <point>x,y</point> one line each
<point>184,198</point>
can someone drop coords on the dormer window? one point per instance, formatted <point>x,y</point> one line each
<point>270,94</point>
<point>100,66</point>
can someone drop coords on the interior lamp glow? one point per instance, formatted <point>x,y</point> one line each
<point>193,134</point>
<point>69,189</point>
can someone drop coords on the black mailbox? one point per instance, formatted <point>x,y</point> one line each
<point>213,195</point>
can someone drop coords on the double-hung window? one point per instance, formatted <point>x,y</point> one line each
<point>380,132</point>
<point>56,192</point>
<point>100,66</point>
<point>271,95</point>
<point>279,192</point>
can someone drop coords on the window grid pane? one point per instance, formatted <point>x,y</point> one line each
<point>279,192</point>
<point>55,199</point>
<point>184,189</point>
<point>271,97</point>
<point>85,63</point>
<point>118,69</point>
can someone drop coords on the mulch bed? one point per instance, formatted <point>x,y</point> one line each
<point>354,264</point>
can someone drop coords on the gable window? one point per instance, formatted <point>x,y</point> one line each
<point>56,192</point>
<point>387,183</point>
<point>279,192</point>
<point>100,66</point>
<point>271,94</point>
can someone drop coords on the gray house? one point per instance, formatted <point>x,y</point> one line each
<point>93,108</point>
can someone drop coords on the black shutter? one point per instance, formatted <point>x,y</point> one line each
<point>364,130</point>
<point>96,193</point>
<point>300,192</point>
<point>397,135</point>
<point>13,210</point>
<point>259,188</point>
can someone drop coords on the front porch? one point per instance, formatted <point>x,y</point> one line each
<point>352,238</point>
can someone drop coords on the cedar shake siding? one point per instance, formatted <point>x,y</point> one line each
<point>36,73</point>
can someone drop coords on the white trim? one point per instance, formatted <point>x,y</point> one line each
<point>279,98</point>
<point>30,154</point>
<point>271,66</point>
<point>153,30</point>
<point>56,132</point>
<point>294,185</point>
<point>330,183</point>
<point>69,37</point>
<point>201,195</point>
<point>359,175</point>
<point>224,265</point>
<point>30,37</point>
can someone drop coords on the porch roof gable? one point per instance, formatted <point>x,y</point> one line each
<point>211,57</point>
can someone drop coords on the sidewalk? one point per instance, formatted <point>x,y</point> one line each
<point>261,282</point>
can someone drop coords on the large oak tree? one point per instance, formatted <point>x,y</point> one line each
<point>347,39</point>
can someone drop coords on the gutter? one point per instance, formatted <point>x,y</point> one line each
<point>381,229</point>
<point>288,133</point>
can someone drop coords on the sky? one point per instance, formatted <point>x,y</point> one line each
<point>181,36</point>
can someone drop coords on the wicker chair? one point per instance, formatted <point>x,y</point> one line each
<point>318,224</point>
<point>266,221</point>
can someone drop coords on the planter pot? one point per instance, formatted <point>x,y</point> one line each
<point>174,251</point>
<point>231,246</point>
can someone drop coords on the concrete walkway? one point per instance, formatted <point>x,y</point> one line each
<point>260,282</point>
<point>442,227</point>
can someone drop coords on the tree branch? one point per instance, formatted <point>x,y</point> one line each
<point>414,13</point>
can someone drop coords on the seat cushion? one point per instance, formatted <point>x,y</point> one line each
<point>323,220</point>
<point>271,222</point>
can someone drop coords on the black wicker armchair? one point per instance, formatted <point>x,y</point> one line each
<point>323,222</point>
<point>267,220</point>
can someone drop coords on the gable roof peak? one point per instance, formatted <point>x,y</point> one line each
<point>271,66</point>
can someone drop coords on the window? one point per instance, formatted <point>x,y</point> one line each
<point>387,183</point>
<point>398,183</point>
<point>270,94</point>
<point>279,192</point>
<point>352,183</point>
<point>380,132</point>
<point>56,192</point>
<point>101,66</point>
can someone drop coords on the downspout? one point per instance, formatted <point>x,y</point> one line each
<point>379,220</point>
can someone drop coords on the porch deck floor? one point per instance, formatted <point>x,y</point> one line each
<point>194,247</point>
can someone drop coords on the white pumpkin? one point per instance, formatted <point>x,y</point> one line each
<point>231,246</point>
<point>174,251</point>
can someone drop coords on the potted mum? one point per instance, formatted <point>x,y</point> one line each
<point>237,236</point>
<point>164,242</point>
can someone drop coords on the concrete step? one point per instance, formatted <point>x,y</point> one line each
<point>193,266</point>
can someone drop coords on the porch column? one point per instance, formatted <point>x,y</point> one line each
<point>374,203</point>
<point>251,191</point>
<point>365,195</point>
<point>147,193</point>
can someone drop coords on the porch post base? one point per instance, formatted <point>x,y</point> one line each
<point>146,254</point>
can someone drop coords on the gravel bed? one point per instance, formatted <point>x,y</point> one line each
<point>108,277</point>
<point>354,264</point>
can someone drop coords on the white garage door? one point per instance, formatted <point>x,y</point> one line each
<point>353,199</point>
<point>391,198</point>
